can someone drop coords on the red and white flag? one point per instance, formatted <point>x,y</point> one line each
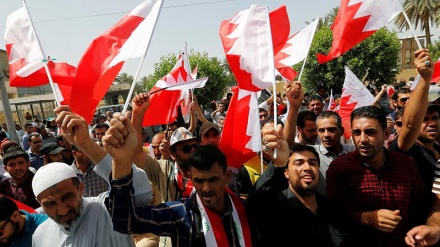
<point>104,58</point>
<point>390,91</point>
<point>248,47</point>
<point>297,47</point>
<point>331,103</point>
<point>163,104</point>
<point>354,95</point>
<point>26,61</point>
<point>356,21</point>
<point>249,43</point>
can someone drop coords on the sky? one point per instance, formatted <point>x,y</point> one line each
<point>66,28</point>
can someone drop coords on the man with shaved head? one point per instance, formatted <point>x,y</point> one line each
<point>155,144</point>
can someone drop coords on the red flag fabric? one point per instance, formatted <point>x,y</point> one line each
<point>356,21</point>
<point>436,75</point>
<point>104,58</point>
<point>22,206</point>
<point>390,91</point>
<point>354,95</point>
<point>331,103</point>
<point>241,130</point>
<point>26,65</point>
<point>163,104</point>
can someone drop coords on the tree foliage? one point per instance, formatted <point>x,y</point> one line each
<point>220,78</point>
<point>373,61</point>
<point>434,50</point>
<point>123,77</point>
<point>422,13</point>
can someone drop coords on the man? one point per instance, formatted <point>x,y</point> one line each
<point>309,219</point>
<point>307,129</point>
<point>374,187</point>
<point>83,166</point>
<point>400,98</point>
<point>35,157</point>
<point>185,220</point>
<point>417,138</point>
<point>17,226</point>
<point>156,141</point>
<point>170,176</point>
<point>209,133</point>
<point>263,114</point>
<point>46,137</point>
<point>337,98</point>
<point>330,130</point>
<point>29,128</point>
<point>315,104</point>
<point>100,129</point>
<point>18,187</point>
<point>52,152</point>
<point>220,111</point>
<point>74,220</point>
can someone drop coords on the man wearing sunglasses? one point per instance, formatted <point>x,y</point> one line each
<point>35,144</point>
<point>17,226</point>
<point>399,100</point>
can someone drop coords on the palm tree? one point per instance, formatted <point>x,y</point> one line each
<point>123,78</point>
<point>422,13</point>
<point>330,17</point>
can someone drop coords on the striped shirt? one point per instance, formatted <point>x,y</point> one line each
<point>436,185</point>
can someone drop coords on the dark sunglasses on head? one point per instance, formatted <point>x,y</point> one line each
<point>187,148</point>
<point>399,123</point>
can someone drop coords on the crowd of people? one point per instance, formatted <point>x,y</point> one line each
<point>111,182</point>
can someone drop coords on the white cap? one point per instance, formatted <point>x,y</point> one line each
<point>34,124</point>
<point>51,174</point>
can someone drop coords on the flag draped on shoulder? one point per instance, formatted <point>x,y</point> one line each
<point>165,96</point>
<point>354,95</point>
<point>249,41</point>
<point>356,21</point>
<point>26,64</point>
<point>104,58</point>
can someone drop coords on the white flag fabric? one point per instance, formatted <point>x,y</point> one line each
<point>298,46</point>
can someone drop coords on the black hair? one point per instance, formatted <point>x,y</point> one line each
<point>328,114</point>
<point>370,112</point>
<point>101,125</point>
<point>315,97</point>
<point>205,156</point>
<point>300,148</point>
<point>400,91</point>
<point>303,116</point>
<point>13,153</point>
<point>271,119</point>
<point>7,207</point>
<point>33,135</point>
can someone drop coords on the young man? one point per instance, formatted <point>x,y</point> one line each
<point>35,157</point>
<point>17,226</point>
<point>18,187</point>
<point>209,133</point>
<point>309,221</point>
<point>52,152</point>
<point>186,221</point>
<point>374,187</point>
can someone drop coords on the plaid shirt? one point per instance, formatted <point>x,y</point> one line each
<point>93,183</point>
<point>22,192</point>
<point>179,220</point>
<point>362,188</point>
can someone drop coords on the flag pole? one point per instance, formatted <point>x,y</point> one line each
<point>308,50</point>
<point>44,59</point>
<point>136,76</point>
<point>411,28</point>
<point>272,68</point>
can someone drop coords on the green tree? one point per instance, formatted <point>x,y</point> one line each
<point>434,50</point>
<point>422,13</point>
<point>123,77</point>
<point>220,77</point>
<point>373,61</point>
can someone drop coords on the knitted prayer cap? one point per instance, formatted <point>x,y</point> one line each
<point>51,174</point>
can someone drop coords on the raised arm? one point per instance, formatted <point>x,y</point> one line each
<point>295,96</point>
<point>415,109</point>
<point>140,104</point>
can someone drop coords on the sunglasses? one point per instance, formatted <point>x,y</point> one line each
<point>263,115</point>
<point>188,148</point>
<point>403,99</point>
<point>399,123</point>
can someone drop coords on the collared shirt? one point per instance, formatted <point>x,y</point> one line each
<point>179,220</point>
<point>36,160</point>
<point>93,183</point>
<point>31,223</point>
<point>22,192</point>
<point>362,188</point>
<point>325,158</point>
<point>92,228</point>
